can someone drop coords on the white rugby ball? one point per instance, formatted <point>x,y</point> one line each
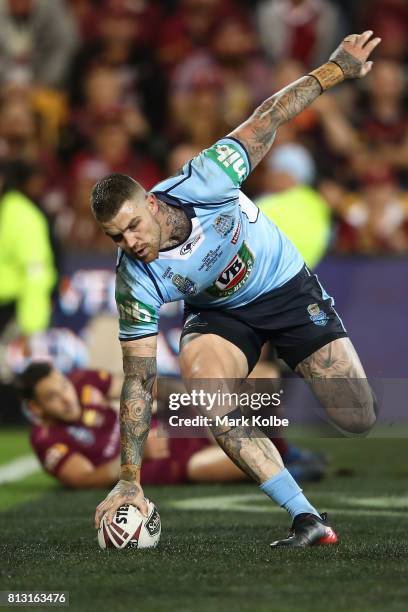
<point>130,529</point>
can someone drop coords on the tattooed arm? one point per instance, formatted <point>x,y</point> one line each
<point>139,367</point>
<point>347,62</point>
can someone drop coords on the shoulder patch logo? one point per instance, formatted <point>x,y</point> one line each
<point>229,158</point>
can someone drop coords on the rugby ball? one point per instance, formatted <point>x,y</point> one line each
<point>130,529</point>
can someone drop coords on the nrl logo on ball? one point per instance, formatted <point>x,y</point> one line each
<point>153,523</point>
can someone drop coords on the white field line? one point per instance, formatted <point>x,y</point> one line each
<point>19,468</point>
<point>379,506</point>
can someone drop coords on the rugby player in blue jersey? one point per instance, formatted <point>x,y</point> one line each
<point>196,237</point>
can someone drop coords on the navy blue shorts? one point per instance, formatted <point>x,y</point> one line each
<point>297,318</point>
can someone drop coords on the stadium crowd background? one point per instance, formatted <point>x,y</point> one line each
<point>135,86</point>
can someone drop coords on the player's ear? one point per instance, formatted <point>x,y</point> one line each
<point>152,203</point>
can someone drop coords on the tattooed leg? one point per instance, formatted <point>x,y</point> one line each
<point>252,451</point>
<point>212,361</point>
<point>337,378</point>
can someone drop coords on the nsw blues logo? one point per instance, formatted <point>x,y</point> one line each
<point>318,316</point>
<point>223,225</point>
<point>184,284</point>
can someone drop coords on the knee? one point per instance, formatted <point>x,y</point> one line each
<point>202,364</point>
<point>197,367</point>
<point>362,419</point>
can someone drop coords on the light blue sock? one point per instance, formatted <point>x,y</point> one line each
<point>285,491</point>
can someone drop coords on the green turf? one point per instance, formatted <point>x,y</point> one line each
<point>219,558</point>
<point>30,488</point>
<point>13,443</point>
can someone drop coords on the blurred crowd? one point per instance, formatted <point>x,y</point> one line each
<point>89,87</point>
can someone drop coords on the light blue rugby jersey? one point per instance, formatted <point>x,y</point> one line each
<point>233,254</point>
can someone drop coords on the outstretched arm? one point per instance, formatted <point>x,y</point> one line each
<point>139,367</point>
<point>349,61</point>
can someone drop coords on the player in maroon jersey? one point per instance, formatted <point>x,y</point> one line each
<point>75,431</point>
<point>75,434</point>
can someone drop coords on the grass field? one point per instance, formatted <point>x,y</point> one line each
<point>214,551</point>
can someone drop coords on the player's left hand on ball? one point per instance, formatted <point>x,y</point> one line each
<point>353,53</point>
<point>125,492</point>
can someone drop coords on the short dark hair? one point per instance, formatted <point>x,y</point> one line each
<point>109,194</point>
<point>29,379</point>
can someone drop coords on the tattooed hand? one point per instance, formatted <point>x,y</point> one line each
<point>353,53</point>
<point>124,492</point>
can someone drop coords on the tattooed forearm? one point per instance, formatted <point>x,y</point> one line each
<point>258,132</point>
<point>348,61</point>
<point>135,411</point>
<point>251,451</point>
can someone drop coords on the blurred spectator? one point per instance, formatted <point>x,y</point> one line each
<point>145,16</point>
<point>110,151</point>
<point>375,220</point>
<point>27,136</point>
<point>37,40</point>
<point>383,121</point>
<point>231,65</point>
<point>197,118</point>
<point>389,20</point>
<point>305,30</point>
<point>188,29</point>
<point>18,130</point>
<point>83,12</point>
<point>179,155</point>
<point>292,203</point>
<point>26,261</point>
<point>119,43</point>
<point>103,95</point>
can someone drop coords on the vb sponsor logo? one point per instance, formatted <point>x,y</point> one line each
<point>235,274</point>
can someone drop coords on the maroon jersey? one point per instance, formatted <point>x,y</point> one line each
<point>172,469</point>
<point>95,435</point>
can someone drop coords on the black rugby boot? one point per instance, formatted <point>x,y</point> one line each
<point>308,530</point>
